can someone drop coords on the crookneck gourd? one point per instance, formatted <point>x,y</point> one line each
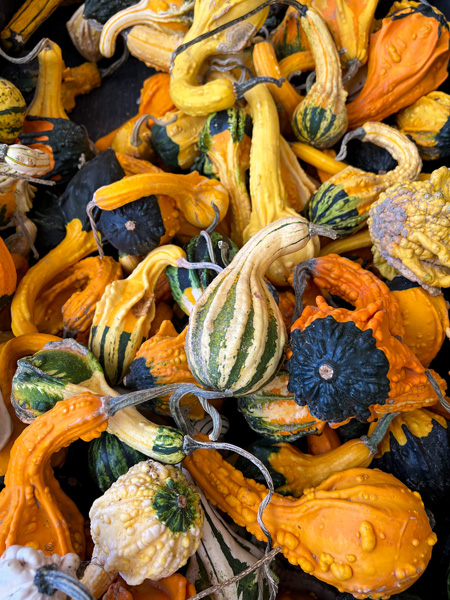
<point>187,285</point>
<point>273,413</point>
<point>321,118</point>
<point>225,140</point>
<point>344,200</point>
<point>236,333</point>
<point>409,228</point>
<point>65,369</point>
<point>380,549</point>
<point>219,94</point>
<point>408,58</point>
<point>68,304</point>
<point>425,318</point>
<point>163,528</point>
<point>267,190</point>
<point>47,126</point>
<point>415,450</point>
<point>154,45</point>
<point>125,313</point>
<point>347,364</point>
<point>294,471</point>
<point>193,194</point>
<point>347,280</point>
<point>427,123</point>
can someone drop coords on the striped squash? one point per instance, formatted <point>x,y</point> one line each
<point>12,112</point>
<point>125,313</point>
<point>321,118</point>
<point>236,335</point>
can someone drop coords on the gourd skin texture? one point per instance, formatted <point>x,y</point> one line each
<point>18,566</point>
<point>236,334</point>
<point>425,318</point>
<point>273,413</point>
<point>427,122</point>
<point>12,111</point>
<point>267,190</point>
<point>188,96</point>
<point>296,471</point>
<point>415,450</point>
<point>336,350</point>
<point>125,312</point>
<point>8,275</point>
<point>32,495</point>
<point>321,118</point>
<point>344,200</point>
<point>408,58</point>
<point>147,524</point>
<point>409,226</point>
<point>382,525</point>
<point>76,245</point>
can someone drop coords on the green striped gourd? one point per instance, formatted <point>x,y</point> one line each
<point>124,315</point>
<point>12,112</point>
<point>65,369</point>
<point>236,335</point>
<point>187,285</point>
<point>343,201</point>
<point>223,554</point>
<point>321,118</point>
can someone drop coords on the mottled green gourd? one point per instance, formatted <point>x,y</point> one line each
<point>236,335</point>
<point>12,112</point>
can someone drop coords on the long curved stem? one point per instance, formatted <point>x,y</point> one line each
<point>49,579</point>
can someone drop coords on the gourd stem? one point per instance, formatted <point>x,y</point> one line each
<point>44,44</point>
<point>190,445</point>
<point>224,247</point>
<point>116,64</point>
<point>216,219</point>
<point>185,264</point>
<point>353,67</point>
<point>219,586</point>
<point>134,398</point>
<point>302,9</point>
<point>135,139</point>
<point>372,441</point>
<point>205,234</point>
<point>310,81</point>
<point>437,389</point>
<point>89,211</point>
<point>240,89</point>
<point>49,579</point>
<point>358,134</point>
<point>321,230</point>
<point>300,278</point>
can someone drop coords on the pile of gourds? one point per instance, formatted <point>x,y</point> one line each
<point>236,300</point>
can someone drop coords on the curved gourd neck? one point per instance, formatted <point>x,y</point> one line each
<point>47,97</point>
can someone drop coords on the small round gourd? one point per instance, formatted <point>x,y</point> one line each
<point>12,111</point>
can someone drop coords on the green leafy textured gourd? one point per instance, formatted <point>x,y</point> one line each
<point>236,334</point>
<point>109,458</point>
<point>187,285</point>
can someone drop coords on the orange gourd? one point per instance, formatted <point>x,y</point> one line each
<point>8,275</point>
<point>322,442</point>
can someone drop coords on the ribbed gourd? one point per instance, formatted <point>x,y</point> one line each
<point>125,313</point>
<point>427,122</point>
<point>344,200</point>
<point>267,190</point>
<point>236,334</point>
<point>321,117</point>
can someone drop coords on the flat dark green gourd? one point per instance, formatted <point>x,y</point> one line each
<point>191,283</point>
<point>422,463</point>
<point>352,430</point>
<point>101,170</point>
<point>400,283</point>
<point>68,141</point>
<point>359,370</point>
<point>135,228</point>
<point>109,458</point>
<point>369,157</point>
<point>49,220</point>
<point>102,10</point>
<point>166,148</point>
